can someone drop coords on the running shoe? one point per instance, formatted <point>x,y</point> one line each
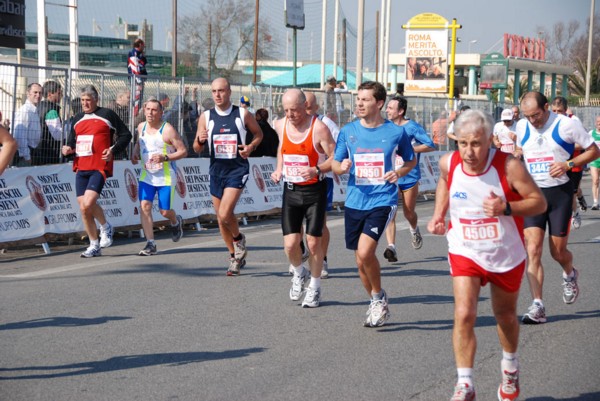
<point>239,248</point>
<point>536,314</point>
<point>509,388</point>
<point>234,267</point>
<point>149,249</point>
<point>106,236</point>
<point>390,254</point>
<point>291,270</point>
<point>298,283</point>
<point>576,220</point>
<point>91,251</point>
<point>582,204</point>
<point>595,207</point>
<point>312,298</point>
<point>463,392</point>
<point>378,312</point>
<point>325,272</point>
<point>570,288</point>
<point>177,230</point>
<point>417,240</point>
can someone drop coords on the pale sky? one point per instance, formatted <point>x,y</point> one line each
<point>482,20</point>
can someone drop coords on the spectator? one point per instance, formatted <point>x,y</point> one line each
<point>48,150</point>
<point>329,107</point>
<point>121,107</point>
<point>28,130</point>
<point>270,142</point>
<point>438,130</point>
<point>245,104</point>
<point>136,68</point>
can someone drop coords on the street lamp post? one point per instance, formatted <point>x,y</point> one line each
<point>470,43</point>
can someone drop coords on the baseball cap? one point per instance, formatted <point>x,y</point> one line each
<point>331,78</point>
<point>245,100</point>
<point>507,114</point>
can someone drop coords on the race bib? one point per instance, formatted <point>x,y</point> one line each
<point>538,163</point>
<point>152,166</point>
<point>398,162</point>
<point>225,146</point>
<point>369,169</point>
<point>478,231</point>
<point>508,147</point>
<point>83,146</point>
<point>293,165</point>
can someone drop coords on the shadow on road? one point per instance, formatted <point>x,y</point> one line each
<point>125,362</point>
<point>60,321</point>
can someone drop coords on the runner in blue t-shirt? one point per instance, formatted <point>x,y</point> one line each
<point>408,186</point>
<point>366,149</point>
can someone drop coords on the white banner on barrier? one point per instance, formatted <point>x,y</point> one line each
<point>42,199</point>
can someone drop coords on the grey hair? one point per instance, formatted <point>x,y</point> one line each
<point>472,121</point>
<point>89,90</point>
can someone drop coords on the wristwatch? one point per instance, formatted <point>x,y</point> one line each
<point>166,158</point>
<point>507,210</point>
<point>318,169</point>
<point>570,164</point>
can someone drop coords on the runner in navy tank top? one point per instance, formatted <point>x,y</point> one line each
<point>223,129</point>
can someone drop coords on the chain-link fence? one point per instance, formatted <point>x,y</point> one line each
<point>183,99</point>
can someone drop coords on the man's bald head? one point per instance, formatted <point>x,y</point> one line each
<point>294,95</point>
<point>312,107</point>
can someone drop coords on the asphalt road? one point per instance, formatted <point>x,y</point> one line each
<point>174,327</point>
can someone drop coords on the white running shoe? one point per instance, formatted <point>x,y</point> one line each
<point>106,236</point>
<point>378,312</point>
<point>570,288</point>
<point>239,248</point>
<point>312,298</point>
<point>536,314</point>
<point>91,251</point>
<point>298,283</point>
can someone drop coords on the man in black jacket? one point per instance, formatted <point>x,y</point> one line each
<point>48,150</point>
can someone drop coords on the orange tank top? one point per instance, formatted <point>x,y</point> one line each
<point>299,155</point>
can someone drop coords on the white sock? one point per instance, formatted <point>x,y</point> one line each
<point>538,301</point>
<point>510,361</point>
<point>414,230</point>
<point>315,283</point>
<point>392,246</point>
<point>569,276</point>
<point>465,375</point>
<point>105,226</point>
<point>95,242</point>
<point>298,269</point>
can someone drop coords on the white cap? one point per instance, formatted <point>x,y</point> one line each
<point>507,114</point>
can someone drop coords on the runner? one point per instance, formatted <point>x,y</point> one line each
<point>366,149</point>
<point>91,140</point>
<point>504,132</point>
<point>595,166</point>
<point>312,108</point>
<point>158,147</point>
<point>408,186</point>
<point>484,190</point>
<point>223,129</point>
<point>560,106</point>
<point>305,152</point>
<point>546,140</point>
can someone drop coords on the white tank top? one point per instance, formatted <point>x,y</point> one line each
<point>156,174</point>
<point>494,243</point>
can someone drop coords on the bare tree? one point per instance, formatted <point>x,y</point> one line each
<point>559,41</point>
<point>232,27</point>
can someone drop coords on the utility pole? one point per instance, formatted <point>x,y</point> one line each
<point>588,75</point>
<point>344,58</point>
<point>323,42</point>
<point>360,41</point>
<point>209,50</point>
<point>174,46</point>
<point>377,45</point>
<point>255,40</point>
